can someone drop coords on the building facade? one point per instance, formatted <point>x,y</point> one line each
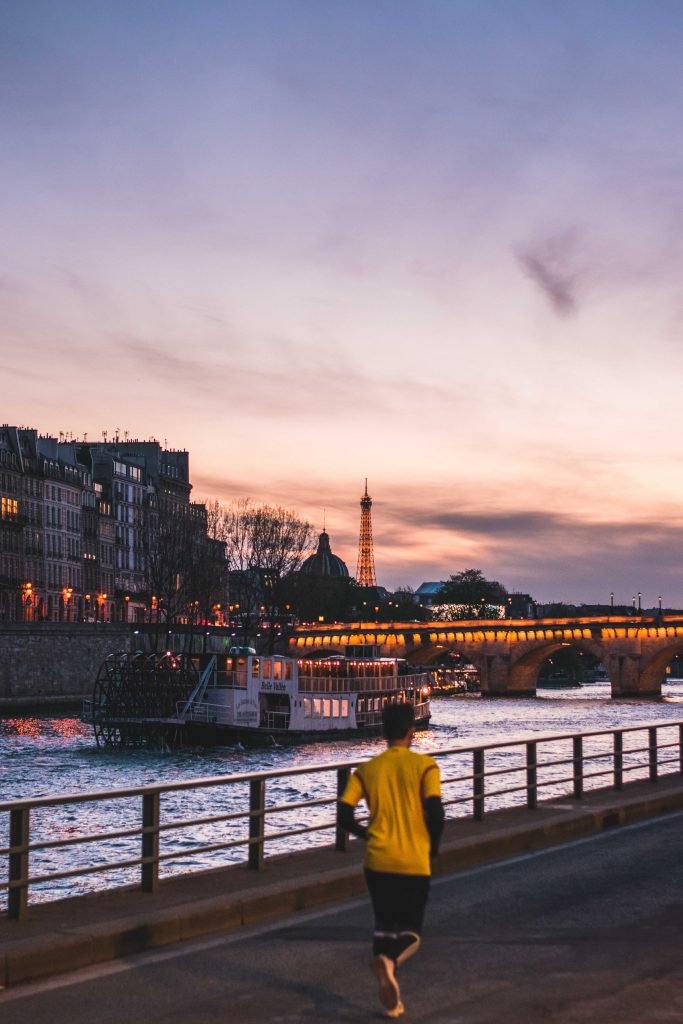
<point>80,530</point>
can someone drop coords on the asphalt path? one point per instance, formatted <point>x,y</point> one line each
<point>590,931</point>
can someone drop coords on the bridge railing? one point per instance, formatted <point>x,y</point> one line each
<point>64,845</point>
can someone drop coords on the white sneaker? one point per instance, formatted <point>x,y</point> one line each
<point>389,992</point>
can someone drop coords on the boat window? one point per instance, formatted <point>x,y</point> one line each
<point>344,708</point>
<point>255,667</point>
<point>326,709</point>
<point>308,707</point>
<point>277,670</point>
<point>335,709</point>
<point>288,670</point>
<point>316,707</point>
<point>266,668</point>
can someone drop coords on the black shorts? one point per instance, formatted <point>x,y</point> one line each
<point>398,901</point>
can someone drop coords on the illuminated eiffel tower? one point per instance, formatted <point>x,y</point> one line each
<point>365,570</point>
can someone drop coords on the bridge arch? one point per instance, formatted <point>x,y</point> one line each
<point>523,671</point>
<point>653,671</point>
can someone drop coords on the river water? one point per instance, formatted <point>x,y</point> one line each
<point>56,754</point>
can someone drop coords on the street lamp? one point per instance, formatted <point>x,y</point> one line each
<point>638,602</point>
<point>27,594</point>
<point>611,599</point>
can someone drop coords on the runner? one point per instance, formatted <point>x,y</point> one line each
<point>403,794</point>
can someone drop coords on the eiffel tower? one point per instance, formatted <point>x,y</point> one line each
<point>365,570</point>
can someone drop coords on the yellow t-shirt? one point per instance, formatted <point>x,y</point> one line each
<point>394,785</point>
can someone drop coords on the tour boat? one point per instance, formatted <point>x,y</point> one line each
<point>250,697</point>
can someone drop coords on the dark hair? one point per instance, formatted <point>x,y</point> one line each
<point>397,720</point>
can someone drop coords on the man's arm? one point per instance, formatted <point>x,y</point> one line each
<point>434,819</point>
<point>347,820</point>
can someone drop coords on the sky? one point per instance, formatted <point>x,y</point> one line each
<point>437,244</point>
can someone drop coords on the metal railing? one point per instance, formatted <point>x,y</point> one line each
<point>515,771</point>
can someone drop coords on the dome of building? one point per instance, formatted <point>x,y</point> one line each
<point>323,562</point>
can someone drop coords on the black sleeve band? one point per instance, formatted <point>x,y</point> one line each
<point>434,819</point>
<point>348,821</point>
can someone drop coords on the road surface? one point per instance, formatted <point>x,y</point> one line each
<point>591,931</point>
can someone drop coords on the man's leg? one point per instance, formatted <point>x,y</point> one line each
<point>411,904</point>
<point>382,894</point>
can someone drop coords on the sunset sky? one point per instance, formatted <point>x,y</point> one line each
<point>437,244</point>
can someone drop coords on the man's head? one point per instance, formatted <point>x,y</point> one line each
<point>397,721</point>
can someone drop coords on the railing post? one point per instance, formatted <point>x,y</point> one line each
<point>652,752</point>
<point>17,898</point>
<point>578,767</point>
<point>151,804</point>
<point>618,760</point>
<point>478,784</point>
<point>257,822</point>
<point>531,775</point>
<point>341,840</point>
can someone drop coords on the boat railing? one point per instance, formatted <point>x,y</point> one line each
<point>362,684</point>
<point>274,720</point>
<point>374,717</point>
<point>150,832</point>
<point>202,711</point>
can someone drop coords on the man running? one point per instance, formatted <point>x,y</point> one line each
<point>403,794</point>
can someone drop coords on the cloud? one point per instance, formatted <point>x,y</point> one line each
<point>280,379</point>
<point>551,265</point>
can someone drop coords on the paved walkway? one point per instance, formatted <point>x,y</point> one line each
<point>88,930</point>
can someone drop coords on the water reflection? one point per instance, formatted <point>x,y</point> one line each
<point>40,755</point>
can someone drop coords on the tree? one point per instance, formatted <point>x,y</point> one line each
<point>402,606</point>
<point>469,595</point>
<point>265,545</point>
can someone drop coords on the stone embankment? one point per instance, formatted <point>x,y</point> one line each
<point>52,664</point>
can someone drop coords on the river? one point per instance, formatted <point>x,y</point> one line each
<point>56,754</point>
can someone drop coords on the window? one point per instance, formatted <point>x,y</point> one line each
<point>288,670</point>
<point>255,667</point>
<point>277,670</point>
<point>267,667</point>
<point>308,707</point>
<point>344,708</point>
<point>335,709</point>
<point>326,709</point>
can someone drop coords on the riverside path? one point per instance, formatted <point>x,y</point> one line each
<point>588,931</point>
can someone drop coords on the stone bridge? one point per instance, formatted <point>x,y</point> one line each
<point>634,650</point>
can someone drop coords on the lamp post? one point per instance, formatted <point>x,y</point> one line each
<point>639,602</point>
<point>27,600</point>
<point>660,603</point>
<point>611,599</point>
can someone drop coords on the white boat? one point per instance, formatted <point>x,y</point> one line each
<point>169,700</point>
<point>301,698</point>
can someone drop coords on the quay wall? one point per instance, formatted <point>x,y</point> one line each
<point>54,663</point>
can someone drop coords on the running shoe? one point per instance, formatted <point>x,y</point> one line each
<point>389,992</point>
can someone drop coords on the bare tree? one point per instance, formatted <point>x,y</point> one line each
<point>265,545</point>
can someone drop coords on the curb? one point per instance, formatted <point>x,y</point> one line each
<point>68,949</point>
